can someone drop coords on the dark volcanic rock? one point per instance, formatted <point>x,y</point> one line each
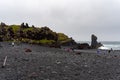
<point>45,63</point>
<point>83,46</point>
<point>94,43</point>
<point>69,43</point>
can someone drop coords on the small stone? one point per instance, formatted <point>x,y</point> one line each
<point>89,72</point>
<point>48,67</point>
<point>25,59</point>
<point>8,69</point>
<point>85,65</point>
<point>42,71</point>
<point>3,66</point>
<point>33,75</point>
<point>107,63</point>
<point>64,70</point>
<point>58,62</point>
<point>77,74</point>
<point>28,50</point>
<point>66,66</point>
<point>66,78</point>
<point>108,57</point>
<point>78,53</point>
<point>115,55</point>
<point>54,72</point>
<point>46,79</point>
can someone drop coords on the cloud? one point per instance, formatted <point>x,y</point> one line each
<point>77,18</point>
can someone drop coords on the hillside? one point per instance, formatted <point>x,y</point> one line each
<point>32,34</point>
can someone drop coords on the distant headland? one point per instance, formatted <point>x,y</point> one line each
<point>34,35</point>
<point>42,36</point>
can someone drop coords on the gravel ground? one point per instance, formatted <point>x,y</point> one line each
<point>45,63</point>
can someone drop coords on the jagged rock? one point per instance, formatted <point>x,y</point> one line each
<point>3,24</point>
<point>83,46</point>
<point>70,42</point>
<point>94,43</point>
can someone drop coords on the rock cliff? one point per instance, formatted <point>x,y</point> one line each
<point>94,43</point>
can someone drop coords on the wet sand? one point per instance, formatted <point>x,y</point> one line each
<point>45,63</point>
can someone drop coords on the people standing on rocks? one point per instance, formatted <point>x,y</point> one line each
<point>111,50</point>
<point>98,51</point>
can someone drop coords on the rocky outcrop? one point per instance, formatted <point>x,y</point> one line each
<point>69,42</point>
<point>94,43</point>
<point>83,46</point>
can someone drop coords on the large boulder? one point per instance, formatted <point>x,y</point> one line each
<point>94,43</point>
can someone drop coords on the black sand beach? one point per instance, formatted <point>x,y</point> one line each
<point>45,63</point>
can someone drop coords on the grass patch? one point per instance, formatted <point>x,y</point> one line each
<point>43,41</point>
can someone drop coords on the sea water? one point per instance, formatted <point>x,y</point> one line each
<point>115,45</point>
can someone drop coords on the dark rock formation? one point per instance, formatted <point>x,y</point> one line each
<point>55,45</point>
<point>3,24</point>
<point>71,42</point>
<point>83,46</point>
<point>94,43</point>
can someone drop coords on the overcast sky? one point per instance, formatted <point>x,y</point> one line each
<point>76,18</point>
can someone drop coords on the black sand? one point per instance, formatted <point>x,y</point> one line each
<point>55,64</point>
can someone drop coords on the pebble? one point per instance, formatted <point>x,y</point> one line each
<point>66,66</point>
<point>54,72</point>
<point>89,72</point>
<point>85,65</point>
<point>58,62</point>
<point>40,68</point>
<point>46,79</point>
<point>33,75</point>
<point>42,71</point>
<point>25,59</point>
<point>66,78</point>
<point>9,69</point>
<point>48,67</point>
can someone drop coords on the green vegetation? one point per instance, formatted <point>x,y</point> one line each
<point>15,27</point>
<point>62,37</point>
<point>34,35</point>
